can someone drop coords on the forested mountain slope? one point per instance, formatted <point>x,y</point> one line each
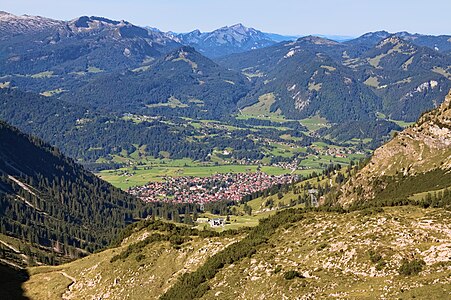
<point>87,135</point>
<point>306,81</point>
<point>378,74</point>
<point>182,79</point>
<point>409,79</point>
<point>49,201</point>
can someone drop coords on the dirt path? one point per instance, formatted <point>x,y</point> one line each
<point>66,295</point>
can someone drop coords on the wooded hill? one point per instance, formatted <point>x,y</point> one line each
<point>357,79</point>
<point>53,203</point>
<point>183,83</point>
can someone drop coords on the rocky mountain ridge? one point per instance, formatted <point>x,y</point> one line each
<point>226,40</point>
<point>419,149</point>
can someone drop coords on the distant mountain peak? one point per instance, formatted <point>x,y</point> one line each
<point>238,25</point>
<point>238,28</point>
<point>241,27</point>
<point>381,33</point>
<point>370,38</point>
<point>181,53</point>
<point>85,22</point>
<point>403,33</point>
<point>185,49</point>
<point>10,23</point>
<point>226,40</point>
<point>111,43</point>
<point>392,39</point>
<point>311,39</point>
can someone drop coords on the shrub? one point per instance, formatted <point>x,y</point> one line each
<point>292,275</point>
<point>381,265</point>
<point>277,269</point>
<point>413,267</point>
<point>374,257</point>
<point>371,211</point>
<point>177,240</point>
<point>140,257</point>
<point>321,246</point>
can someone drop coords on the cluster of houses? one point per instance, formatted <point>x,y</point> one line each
<point>292,165</point>
<point>218,187</point>
<point>336,151</point>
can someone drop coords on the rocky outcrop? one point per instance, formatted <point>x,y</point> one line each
<point>421,148</point>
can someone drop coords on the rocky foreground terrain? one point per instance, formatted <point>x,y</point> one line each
<point>343,256</point>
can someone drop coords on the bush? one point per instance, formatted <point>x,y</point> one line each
<point>292,275</point>
<point>277,269</point>
<point>413,267</point>
<point>371,211</point>
<point>374,257</point>
<point>140,257</point>
<point>177,240</point>
<point>381,265</point>
<point>321,246</point>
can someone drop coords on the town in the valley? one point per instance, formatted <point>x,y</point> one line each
<point>218,187</point>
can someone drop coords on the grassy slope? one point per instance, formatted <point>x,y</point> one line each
<point>96,277</point>
<point>330,249</point>
<point>262,107</point>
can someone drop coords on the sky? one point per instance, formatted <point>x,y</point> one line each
<point>294,17</point>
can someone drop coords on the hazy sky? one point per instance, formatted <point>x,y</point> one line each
<point>338,17</point>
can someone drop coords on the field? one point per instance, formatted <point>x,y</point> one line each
<point>420,196</point>
<point>282,151</point>
<point>403,124</point>
<point>45,74</point>
<point>172,102</point>
<point>140,175</point>
<point>139,169</point>
<point>314,123</point>
<point>52,92</point>
<point>262,107</point>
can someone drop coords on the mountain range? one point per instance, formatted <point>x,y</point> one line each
<point>36,44</point>
<point>93,64</point>
<point>393,73</point>
<point>100,88</point>
<point>199,86</point>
